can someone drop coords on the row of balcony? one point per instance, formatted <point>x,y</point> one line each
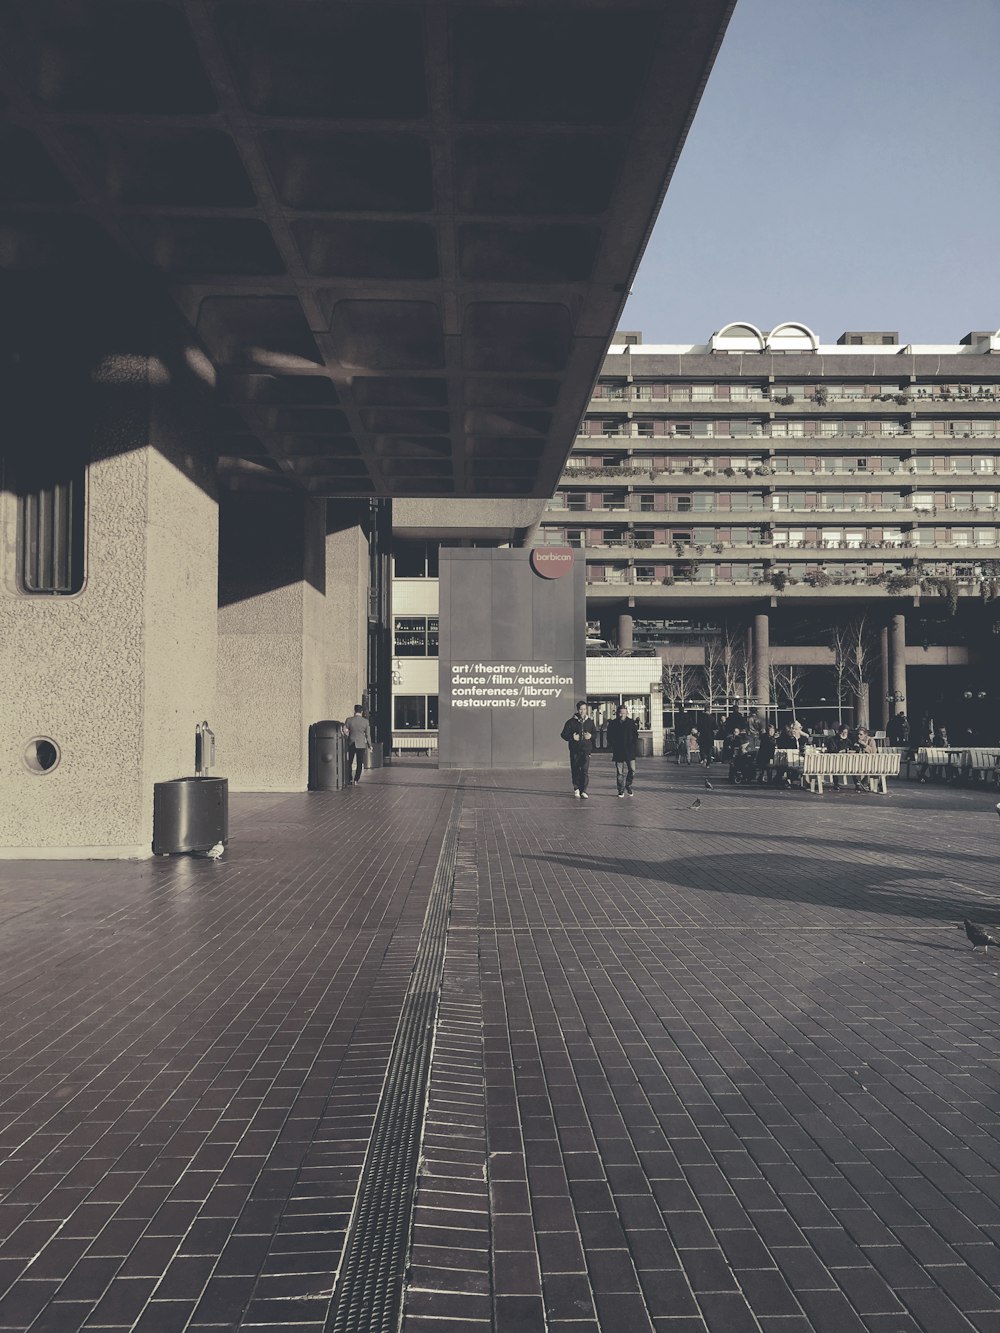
<point>812,397</point>
<point>984,504</point>
<point>751,550</point>
<point>761,429</point>
<point>767,478</point>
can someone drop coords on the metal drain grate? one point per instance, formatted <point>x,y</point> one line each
<point>369,1290</point>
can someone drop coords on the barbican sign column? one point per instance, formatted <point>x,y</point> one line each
<point>511,657</point>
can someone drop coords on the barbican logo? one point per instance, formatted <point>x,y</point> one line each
<point>552,562</point>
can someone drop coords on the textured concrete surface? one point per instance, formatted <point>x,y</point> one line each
<point>272,639</point>
<point>119,674</point>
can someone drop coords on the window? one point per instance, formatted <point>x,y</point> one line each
<point>51,521</point>
<point>683,504</point>
<point>415,711</point>
<point>416,636</point>
<point>576,501</point>
<point>681,428</point>
<point>614,500</point>
<point>644,429</point>
<point>415,560</point>
<point>574,537</point>
<point>683,536</point>
<point>646,503</point>
<point>645,573</point>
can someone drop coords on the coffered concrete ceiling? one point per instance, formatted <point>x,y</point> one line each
<point>402,232</point>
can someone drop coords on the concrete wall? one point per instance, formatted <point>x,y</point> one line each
<point>346,613</point>
<point>494,609</point>
<point>272,638</point>
<point>118,674</point>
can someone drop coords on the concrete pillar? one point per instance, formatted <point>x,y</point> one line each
<point>118,675</point>
<point>862,717</point>
<point>656,715</point>
<point>625,631</point>
<point>272,638</point>
<point>883,711</point>
<point>761,662</point>
<point>346,613</point>
<point>897,662</point>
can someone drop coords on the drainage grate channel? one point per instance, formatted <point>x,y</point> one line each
<point>369,1290</point>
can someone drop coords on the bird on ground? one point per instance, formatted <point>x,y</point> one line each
<point>695,804</point>
<point>998,807</point>
<point>708,785</point>
<point>978,936</point>
<point>213,853</point>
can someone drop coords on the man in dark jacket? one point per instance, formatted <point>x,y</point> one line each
<point>706,738</point>
<point>578,733</point>
<point>899,729</point>
<point>623,740</point>
<point>359,741</point>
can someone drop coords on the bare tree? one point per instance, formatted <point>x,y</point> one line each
<point>786,684</point>
<point>679,679</point>
<point>735,665</point>
<point>855,652</point>
<point>714,671</point>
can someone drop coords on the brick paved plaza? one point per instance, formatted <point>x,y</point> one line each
<point>731,1068</point>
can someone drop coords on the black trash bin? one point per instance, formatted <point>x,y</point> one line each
<point>327,756</point>
<point>190,815</point>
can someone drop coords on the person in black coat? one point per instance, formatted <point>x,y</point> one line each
<point>623,740</point>
<point>578,733</point>
<point>706,737</point>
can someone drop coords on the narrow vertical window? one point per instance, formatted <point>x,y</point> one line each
<point>51,499</point>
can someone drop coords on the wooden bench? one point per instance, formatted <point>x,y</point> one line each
<point>982,763</point>
<point>818,767</point>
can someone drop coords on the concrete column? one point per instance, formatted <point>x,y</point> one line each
<point>272,638</point>
<point>118,675</point>
<point>625,631</point>
<point>897,661</point>
<point>883,712</point>
<point>656,716</point>
<point>862,716</point>
<point>761,661</point>
<point>346,612</point>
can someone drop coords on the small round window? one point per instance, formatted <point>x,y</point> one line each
<point>41,755</point>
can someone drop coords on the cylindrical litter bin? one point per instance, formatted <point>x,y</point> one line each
<point>645,744</point>
<point>190,814</point>
<point>327,756</point>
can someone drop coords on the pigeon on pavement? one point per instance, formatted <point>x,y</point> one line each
<point>708,785</point>
<point>998,807</point>
<point>978,936</point>
<point>696,803</point>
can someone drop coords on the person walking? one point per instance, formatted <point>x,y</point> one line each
<point>579,733</point>
<point>359,739</point>
<point>623,738</point>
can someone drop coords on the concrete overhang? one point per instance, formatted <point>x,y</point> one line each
<point>477,519</point>
<point>404,233</point>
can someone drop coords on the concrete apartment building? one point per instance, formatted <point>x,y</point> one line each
<point>767,494</point>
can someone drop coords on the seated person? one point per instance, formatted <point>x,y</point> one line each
<point>765,755</point>
<point>865,744</point>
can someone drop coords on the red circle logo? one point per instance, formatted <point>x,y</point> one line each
<point>552,562</point>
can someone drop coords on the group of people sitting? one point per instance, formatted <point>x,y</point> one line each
<point>756,752</point>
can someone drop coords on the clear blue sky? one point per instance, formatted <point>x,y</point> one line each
<point>843,169</point>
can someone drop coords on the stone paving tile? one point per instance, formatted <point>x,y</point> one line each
<point>191,1053</point>
<point>739,1069</point>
